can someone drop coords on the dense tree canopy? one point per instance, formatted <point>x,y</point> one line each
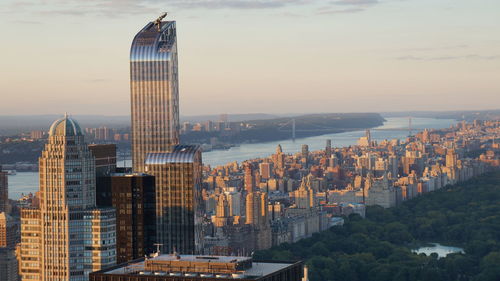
<point>378,248</point>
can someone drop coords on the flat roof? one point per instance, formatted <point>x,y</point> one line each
<point>199,258</point>
<point>257,270</point>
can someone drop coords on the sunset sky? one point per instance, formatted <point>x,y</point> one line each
<point>249,56</point>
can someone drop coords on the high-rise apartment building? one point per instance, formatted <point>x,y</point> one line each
<point>154,91</point>
<point>105,158</point>
<point>8,240</point>
<point>155,138</point>
<point>8,265</point>
<point>133,196</point>
<point>279,158</point>
<point>451,158</point>
<point>179,203</point>
<point>4,191</point>
<point>8,231</point>
<point>266,170</point>
<point>305,151</point>
<point>328,148</point>
<point>66,237</point>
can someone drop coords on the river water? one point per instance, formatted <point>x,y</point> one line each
<point>28,182</point>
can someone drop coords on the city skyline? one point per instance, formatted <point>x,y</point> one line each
<point>145,202</point>
<point>350,55</point>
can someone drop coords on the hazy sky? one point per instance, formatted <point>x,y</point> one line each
<point>242,56</point>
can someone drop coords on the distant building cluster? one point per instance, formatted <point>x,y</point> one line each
<point>299,194</point>
<point>106,134</point>
<point>211,126</point>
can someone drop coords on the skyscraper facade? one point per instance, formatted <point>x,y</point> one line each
<point>8,240</point>
<point>4,191</point>
<point>328,149</point>
<point>179,204</point>
<point>155,138</point>
<point>154,91</point>
<point>8,265</point>
<point>105,158</point>
<point>133,196</point>
<point>8,231</point>
<point>67,237</point>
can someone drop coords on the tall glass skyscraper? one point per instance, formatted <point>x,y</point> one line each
<point>4,191</point>
<point>155,138</point>
<point>154,91</point>
<point>179,204</point>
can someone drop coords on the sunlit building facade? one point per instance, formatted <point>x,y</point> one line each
<point>154,91</point>
<point>67,237</point>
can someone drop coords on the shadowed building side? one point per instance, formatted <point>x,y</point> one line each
<point>134,199</point>
<point>4,191</point>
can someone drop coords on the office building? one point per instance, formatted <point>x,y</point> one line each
<point>105,158</point>
<point>4,191</point>
<point>66,237</point>
<point>266,170</point>
<point>8,265</point>
<point>179,204</point>
<point>134,199</point>
<point>328,148</point>
<point>36,135</point>
<point>154,91</point>
<point>8,231</point>
<point>197,268</point>
<point>305,151</point>
<point>8,240</point>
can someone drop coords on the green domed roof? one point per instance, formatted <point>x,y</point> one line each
<point>65,127</point>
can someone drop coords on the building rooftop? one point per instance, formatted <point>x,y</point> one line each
<point>228,267</point>
<point>65,126</point>
<point>179,154</point>
<point>153,45</point>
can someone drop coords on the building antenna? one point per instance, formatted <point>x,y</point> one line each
<point>157,249</point>
<point>158,21</point>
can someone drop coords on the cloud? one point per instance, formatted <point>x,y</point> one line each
<point>98,80</point>
<point>237,4</point>
<point>108,8</point>
<point>343,11</point>
<point>434,48</point>
<point>117,8</point>
<point>127,7</point>
<point>26,22</point>
<point>353,6</point>
<point>356,2</point>
<point>447,58</point>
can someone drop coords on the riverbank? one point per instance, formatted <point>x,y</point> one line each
<point>393,128</point>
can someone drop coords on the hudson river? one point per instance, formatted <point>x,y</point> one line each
<point>28,182</point>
